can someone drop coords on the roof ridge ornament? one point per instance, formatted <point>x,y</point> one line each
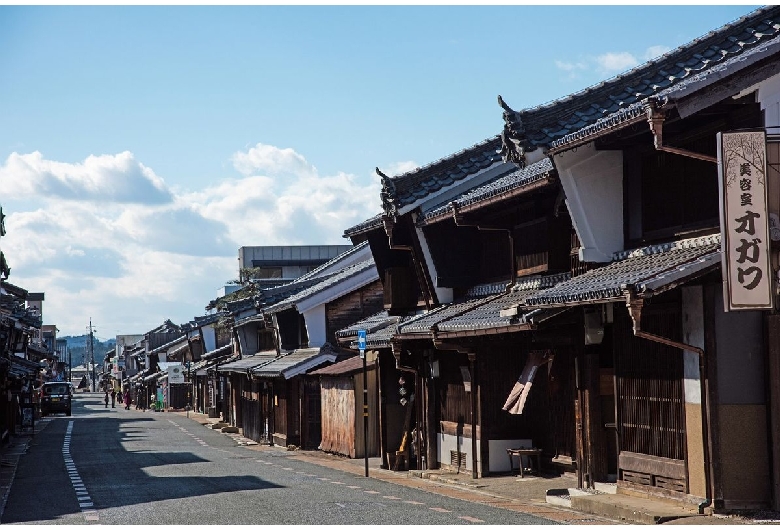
<point>388,195</point>
<point>513,136</point>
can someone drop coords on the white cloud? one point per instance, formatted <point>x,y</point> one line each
<point>105,238</point>
<point>616,62</point>
<point>105,178</point>
<point>571,67</point>
<point>399,168</point>
<point>270,159</point>
<point>654,52</point>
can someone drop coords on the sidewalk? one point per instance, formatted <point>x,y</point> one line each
<point>550,496</point>
<point>9,458</point>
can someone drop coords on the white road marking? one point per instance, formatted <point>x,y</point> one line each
<point>471,519</point>
<point>82,495</point>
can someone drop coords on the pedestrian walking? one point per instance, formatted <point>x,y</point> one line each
<point>113,398</point>
<point>120,397</point>
<point>128,401</point>
<point>105,399</point>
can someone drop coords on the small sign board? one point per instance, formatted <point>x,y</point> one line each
<point>362,342</point>
<point>176,375</point>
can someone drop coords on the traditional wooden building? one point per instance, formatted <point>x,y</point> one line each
<point>674,396</point>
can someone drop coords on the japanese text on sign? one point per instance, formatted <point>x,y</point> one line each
<point>744,220</point>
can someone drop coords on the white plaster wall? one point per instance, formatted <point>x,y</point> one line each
<point>693,334</point>
<point>499,461</point>
<point>209,338</point>
<point>444,294</point>
<point>448,442</point>
<point>593,183</point>
<point>315,325</point>
<point>769,97</point>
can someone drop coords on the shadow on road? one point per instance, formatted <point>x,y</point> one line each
<point>120,459</point>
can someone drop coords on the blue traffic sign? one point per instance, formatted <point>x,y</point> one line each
<point>361,339</point>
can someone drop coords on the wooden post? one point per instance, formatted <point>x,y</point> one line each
<point>474,473</point>
<point>773,377</point>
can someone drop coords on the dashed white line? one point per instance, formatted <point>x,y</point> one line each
<point>440,510</point>
<point>82,495</point>
<point>471,519</point>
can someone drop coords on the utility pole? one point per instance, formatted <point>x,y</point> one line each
<point>92,353</point>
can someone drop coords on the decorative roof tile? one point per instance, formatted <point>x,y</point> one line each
<point>620,99</point>
<point>641,270</point>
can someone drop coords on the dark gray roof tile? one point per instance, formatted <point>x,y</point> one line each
<point>503,184</point>
<point>640,270</point>
<point>407,188</point>
<point>615,101</point>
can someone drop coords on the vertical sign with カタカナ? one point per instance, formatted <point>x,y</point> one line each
<point>744,220</point>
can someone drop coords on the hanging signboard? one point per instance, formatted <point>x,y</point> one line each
<point>747,274</point>
<point>176,374</point>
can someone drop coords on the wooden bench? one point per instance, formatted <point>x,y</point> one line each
<point>532,453</point>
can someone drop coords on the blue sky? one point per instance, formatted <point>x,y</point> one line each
<point>141,146</point>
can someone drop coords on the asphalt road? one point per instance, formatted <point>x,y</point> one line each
<point>113,466</point>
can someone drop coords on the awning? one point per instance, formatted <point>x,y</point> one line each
<point>19,367</point>
<point>643,272</point>
<point>295,363</point>
<point>246,364</point>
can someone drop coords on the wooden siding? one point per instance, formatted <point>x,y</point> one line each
<point>650,396</point>
<point>352,308</point>
<point>338,415</point>
<point>342,415</point>
<point>454,401</point>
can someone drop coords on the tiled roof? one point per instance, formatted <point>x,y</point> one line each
<point>170,344</point>
<point>485,313</point>
<point>218,352</point>
<point>423,324</point>
<point>365,226</point>
<point>245,364</point>
<point>317,272</point>
<point>412,186</point>
<point>345,367</point>
<point>374,322</point>
<point>642,270</point>
<point>618,100</point>
<point>325,283</point>
<point>502,185</point>
<point>294,363</point>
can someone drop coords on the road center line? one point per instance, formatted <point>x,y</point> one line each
<point>82,495</point>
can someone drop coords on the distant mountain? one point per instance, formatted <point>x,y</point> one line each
<point>79,354</point>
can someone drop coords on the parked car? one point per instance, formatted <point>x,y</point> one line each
<point>56,397</point>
